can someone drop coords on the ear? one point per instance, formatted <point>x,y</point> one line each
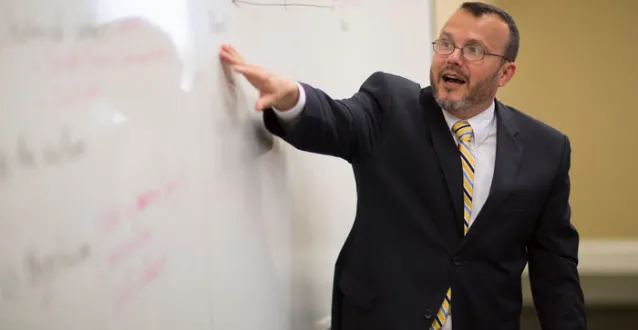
<point>509,69</point>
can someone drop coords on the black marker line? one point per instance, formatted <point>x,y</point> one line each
<point>286,4</point>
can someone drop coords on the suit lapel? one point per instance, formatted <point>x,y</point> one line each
<point>447,154</point>
<point>509,151</point>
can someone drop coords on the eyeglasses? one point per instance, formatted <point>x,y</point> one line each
<point>471,52</point>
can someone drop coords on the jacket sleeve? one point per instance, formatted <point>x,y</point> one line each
<point>553,259</point>
<point>347,128</point>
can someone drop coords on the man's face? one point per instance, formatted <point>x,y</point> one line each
<point>463,87</point>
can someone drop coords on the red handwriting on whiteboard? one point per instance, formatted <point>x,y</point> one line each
<point>136,242</point>
<point>130,25</point>
<point>140,280</point>
<point>152,271</point>
<point>78,94</point>
<point>128,260</point>
<point>91,60</point>
<point>127,213</point>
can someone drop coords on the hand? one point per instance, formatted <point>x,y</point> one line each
<point>274,90</point>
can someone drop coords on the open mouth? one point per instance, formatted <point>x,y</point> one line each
<point>451,78</point>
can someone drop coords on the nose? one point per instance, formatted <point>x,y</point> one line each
<point>455,57</point>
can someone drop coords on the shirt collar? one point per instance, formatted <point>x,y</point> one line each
<point>480,123</point>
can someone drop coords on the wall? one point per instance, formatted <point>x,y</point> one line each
<point>442,10</point>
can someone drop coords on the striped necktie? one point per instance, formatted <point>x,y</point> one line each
<point>464,133</point>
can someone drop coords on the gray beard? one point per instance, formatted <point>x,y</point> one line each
<point>459,108</point>
<point>463,107</point>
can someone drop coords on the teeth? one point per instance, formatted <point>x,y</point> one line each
<point>457,78</point>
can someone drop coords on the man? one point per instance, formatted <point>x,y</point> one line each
<point>456,191</point>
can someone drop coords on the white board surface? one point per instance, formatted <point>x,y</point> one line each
<point>138,189</point>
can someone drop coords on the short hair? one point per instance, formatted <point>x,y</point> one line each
<point>479,9</point>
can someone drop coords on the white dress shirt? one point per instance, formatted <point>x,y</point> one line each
<point>483,143</point>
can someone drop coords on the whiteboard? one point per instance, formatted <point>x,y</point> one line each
<point>138,188</point>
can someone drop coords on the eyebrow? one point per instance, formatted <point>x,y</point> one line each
<point>469,41</point>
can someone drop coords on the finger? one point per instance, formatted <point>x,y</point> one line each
<point>227,47</point>
<point>229,58</point>
<point>264,102</point>
<point>251,72</point>
<point>231,55</point>
<point>234,52</point>
<point>225,56</point>
<point>255,75</point>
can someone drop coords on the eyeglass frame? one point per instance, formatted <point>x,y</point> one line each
<point>463,51</point>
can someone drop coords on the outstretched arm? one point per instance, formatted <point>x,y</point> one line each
<point>343,128</point>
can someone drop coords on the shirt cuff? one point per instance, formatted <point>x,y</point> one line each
<point>292,114</point>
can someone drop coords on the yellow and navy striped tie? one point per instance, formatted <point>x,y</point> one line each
<point>464,132</point>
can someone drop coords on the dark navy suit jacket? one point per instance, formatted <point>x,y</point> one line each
<point>406,246</point>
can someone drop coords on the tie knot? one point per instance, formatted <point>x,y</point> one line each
<point>463,130</point>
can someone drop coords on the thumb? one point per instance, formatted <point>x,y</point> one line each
<point>266,101</point>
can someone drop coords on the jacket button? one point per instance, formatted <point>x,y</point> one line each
<point>457,261</point>
<point>428,314</point>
